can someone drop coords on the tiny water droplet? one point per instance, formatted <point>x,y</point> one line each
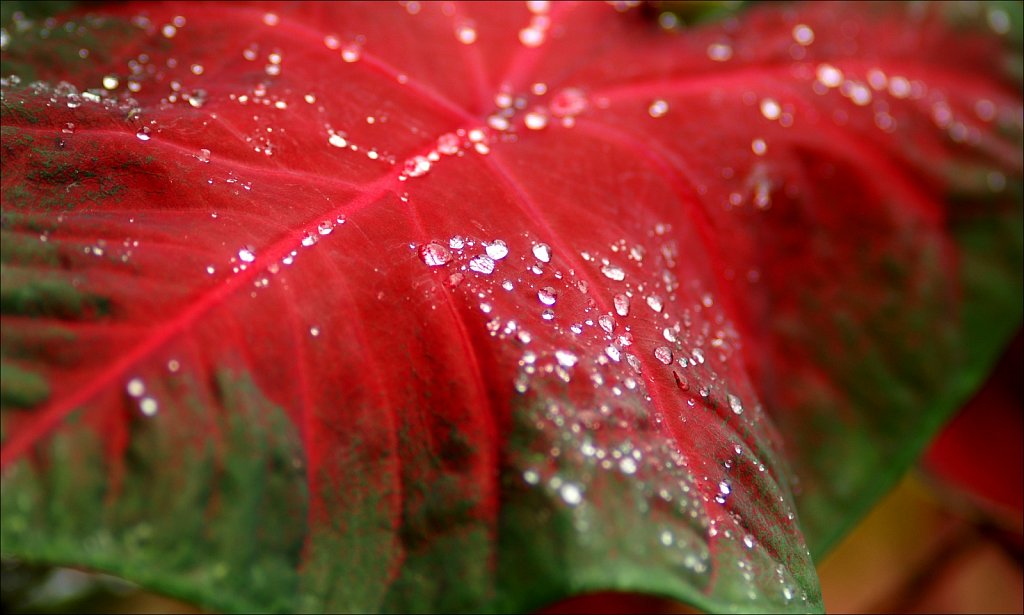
<point>144,133</point>
<point>548,314</point>
<point>110,82</point>
<point>613,353</point>
<point>308,239</point>
<point>337,140</point>
<point>351,52</point>
<point>456,242</point>
<point>654,302</point>
<point>535,120</point>
<point>204,155</point>
<point>770,109</point>
<point>314,331</point>
<point>803,34</point>
<point>246,255</point>
<point>758,146</point>
<point>325,227</point>
<point>658,108</point>
<point>719,52</point>
<point>607,322</point>
<point>135,387</point>
<point>434,254</point>
<point>571,494</point>
<point>148,406</point>
<point>663,354</point>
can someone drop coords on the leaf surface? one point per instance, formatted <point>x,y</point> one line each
<point>453,307</point>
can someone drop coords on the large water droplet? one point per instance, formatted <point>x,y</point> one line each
<point>735,404</point>
<point>542,252</point>
<point>607,322</point>
<point>547,295</point>
<point>613,272</point>
<point>482,264</point>
<point>566,358</point>
<point>497,249</point>
<point>434,254</point>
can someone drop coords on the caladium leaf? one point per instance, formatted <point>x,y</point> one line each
<point>457,307</point>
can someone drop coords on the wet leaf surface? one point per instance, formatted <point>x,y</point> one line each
<point>458,307</point>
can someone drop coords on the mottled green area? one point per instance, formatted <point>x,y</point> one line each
<point>59,176</point>
<point>216,519</point>
<point>21,388</point>
<point>35,52</point>
<point>26,292</point>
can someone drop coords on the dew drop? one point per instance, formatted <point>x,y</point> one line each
<point>547,295</point>
<point>535,120</point>
<point>531,37</point>
<point>497,249</point>
<point>417,166</point>
<point>613,353</point>
<point>135,387</point>
<point>325,228</point>
<point>735,404</point>
<point>566,358</point>
<point>482,264</point>
<point>144,134</point>
<point>148,406</point>
<point>337,140</point>
<point>351,52</point>
<point>456,242</point>
<point>466,34</point>
<point>314,331</point>
<point>719,52</point>
<point>434,254</point>
<point>308,239</point>
<point>110,82</point>
<point>658,108</point>
<point>606,322</point>
<point>627,465</point>
<point>542,252</point>
<point>770,109</point>
<point>829,76</point>
<point>246,255</point>
<point>803,34</point>
<point>571,494</point>
<point>621,305</point>
<point>613,272</point>
<point>548,314</point>
<point>663,354</point>
<point>654,302</point>
<point>204,155</point>
<point>758,146</point>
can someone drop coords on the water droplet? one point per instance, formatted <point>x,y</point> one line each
<point>148,406</point>
<point>434,254</point>
<point>531,477</point>
<point>568,102</point>
<point>482,264</point>
<point>681,382</point>
<point>456,243</point>
<point>654,302</point>
<point>548,314</point>
<point>724,488</point>
<point>613,353</point>
<point>735,404</point>
<point>627,465</point>
<point>417,166</point>
<point>571,494</point>
<point>135,387</point>
<point>204,155</point>
<point>803,34</point>
<point>758,146</point>
<point>308,239</point>
<point>110,82</point>
<point>658,108</point>
<point>663,354</point>
<point>497,249</point>
<point>271,19</point>
<point>829,76</point>
<point>613,272</point>
<point>542,252</point>
<point>144,134</point>
<point>547,295</point>
<point>607,322</point>
<point>325,227</point>
<point>719,52</point>
<point>246,255</point>
<point>531,36</point>
<point>351,52</point>
<point>536,120</point>
<point>173,366</point>
<point>314,331</point>
<point>566,358</point>
<point>337,140</point>
<point>466,34</point>
<point>770,109</point>
<point>669,334</point>
<point>621,305</point>
<point>168,31</point>
<point>69,128</point>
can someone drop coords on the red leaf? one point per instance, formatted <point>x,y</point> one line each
<point>353,307</point>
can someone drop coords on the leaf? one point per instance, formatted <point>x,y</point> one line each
<point>458,307</point>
